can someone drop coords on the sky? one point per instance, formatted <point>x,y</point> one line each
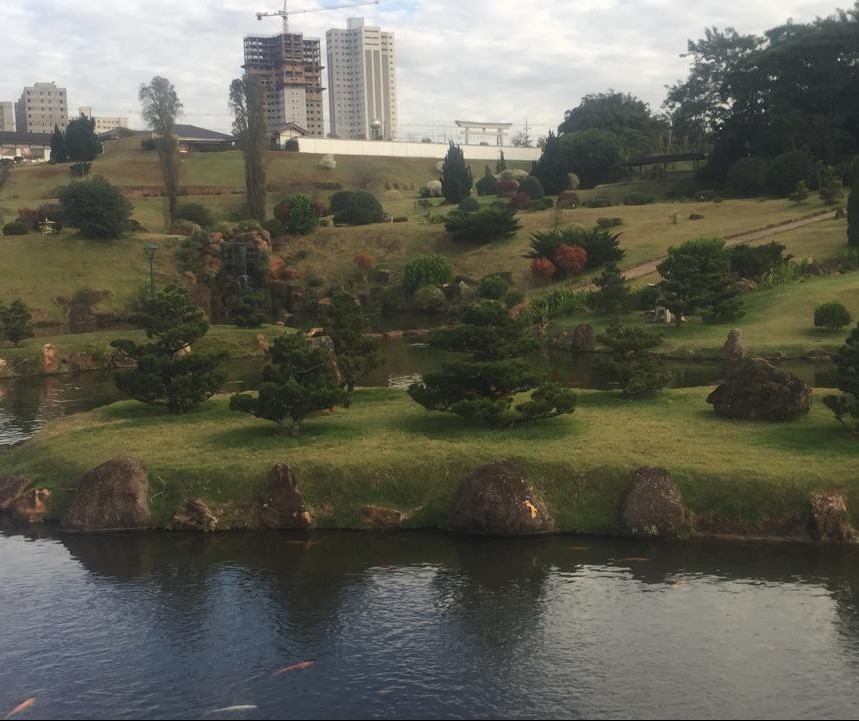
<point>490,60</point>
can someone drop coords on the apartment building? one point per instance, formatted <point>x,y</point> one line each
<point>102,124</point>
<point>41,108</point>
<point>7,117</point>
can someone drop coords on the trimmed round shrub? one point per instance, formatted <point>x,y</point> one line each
<point>520,200</point>
<point>184,227</point>
<point>196,213</point>
<point>96,208</point>
<point>16,227</point>
<point>532,186</point>
<point>572,259</point>
<point>543,269</point>
<point>600,201</point>
<point>469,205</point>
<point>748,178</point>
<point>514,297</point>
<point>788,170</point>
<point>274,227</point>
<point>297,214</point>
<point>291,145</point>
<point>639,199</point>
<point>429,299</point>
<point>606,223</point>
<point>356,207</point>
<point>426,270</point>
<point>493,287</point>
<point>833,316</point>
<point>507,188</point>
<point>568,200</point>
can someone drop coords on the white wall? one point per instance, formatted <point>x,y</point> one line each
<point>324,146</point>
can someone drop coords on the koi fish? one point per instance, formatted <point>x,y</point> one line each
<point>20,708</point>
<point>633,560</point>
<point>232,709</point>
<point>578,548</point>
<point>303,666</point>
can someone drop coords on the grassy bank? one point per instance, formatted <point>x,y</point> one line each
<point>386,450</point>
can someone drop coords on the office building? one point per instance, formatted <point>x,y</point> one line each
<point>41,108</point>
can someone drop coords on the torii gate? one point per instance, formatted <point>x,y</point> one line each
<point>484,129</point>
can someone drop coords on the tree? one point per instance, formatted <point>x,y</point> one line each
<point>853,206</point>
<point>748,178</point>
<point>521,140</point>
<point>501,165</point>
<point>96,208</point>
<point>486,225</point>
<point>787,171</point>
<point>297,214</point>
<point>631,364</point>
<point>483,387</point>
<point>247,101</point>
<point>594,155</point>
<point>16,320</point>
<point>161,108</point>
<point>613,296</point>
<point>357,207</point>
<point>250,308</point>
<point>551,168</point>
<point>456,180</point>
<point>348,326</point>
<point>488,184</point>
<point>58,146</point>
<point>846,406</point>
<point>831,188</point>
<point>167,372</point>
<point>833,316</point>
<point>298,381</point>
<point>800,193</point>
<point>82,144</point>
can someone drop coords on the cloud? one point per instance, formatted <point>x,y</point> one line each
<point>501,60</point>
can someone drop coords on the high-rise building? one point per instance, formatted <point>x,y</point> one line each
<point>289,67</point>
<point>102,124</point>
<point>7,117</point>
<point>362,82</point>
<point>41,108</point>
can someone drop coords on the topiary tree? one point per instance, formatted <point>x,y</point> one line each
<point>613,296</point>
<point>426,270</point>
<point>488,184</point>
<point>82,144</point>
<point>482,389</point>
<point>456,179</point>
<point>631,364</point>
<point>299,381</point>
<point>196,213</point>
<point>830,185</point>
<point>96,208</point>
<point>748,178</point>
<point>486,225</point>
<point>532,186</point>
<point>833,316</point>
<point>167,372</point>
<point>846,406</point>
<point>853,206</point>
<point>347,325</point>
<point>16,320</point>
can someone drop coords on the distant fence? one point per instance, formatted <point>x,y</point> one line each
<point>385,149</point>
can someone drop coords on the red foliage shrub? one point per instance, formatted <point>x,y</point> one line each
<point>543,269</point>
<point>319,208</point>
<point>29,217</point>
<point>508,188</point>
<point>568,199</point>
<point>364,262</point>
<point>572,259</point>
<point>520,200</point>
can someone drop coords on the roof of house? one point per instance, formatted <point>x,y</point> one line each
<point>294,126</point>
<point>25,138</point>
<point>192,132</point>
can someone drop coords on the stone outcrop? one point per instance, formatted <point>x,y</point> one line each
<point>758,390</point>
<point>194,515</point>
<point>282,504</point>
<point>830,522</point>
<point>733,348</point>
<point>583,339</point>
<point>32,506</point>
<point>79,362</point>
<point>326,343</point>
<point>653,506</point>
<point>497,500</point>
<point>112,497</point>
<point>5,369</point>
<point>50,359</point>
<point>11,489</point>
<point>378,518</point>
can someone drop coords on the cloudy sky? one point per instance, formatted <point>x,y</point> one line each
<point>505,60</point>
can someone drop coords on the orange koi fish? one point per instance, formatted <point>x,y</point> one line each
<point>20,708</point>
<point>303,666</point>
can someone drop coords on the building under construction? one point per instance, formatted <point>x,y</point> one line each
<point>289,67</point>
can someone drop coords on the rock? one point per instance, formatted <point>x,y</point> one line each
<point>733,348</point>
<point>32,506</point>
<point>194,515</point>
<point>262,343</point>
<point>183,351</point>
<point>325,342</point>
<point>120,359</point>
<point>50,359</point>
<point>583,339</point>
<point>11,489</point>
<point>466,292</point>
<point>5,368</point>
<point>653,506</point>
<point>760,391</point>
<point>817,356</point>
<point>282,505</point>
<point>189,279</point>
<point>829,520</point>
<point>78,362</point>
<point>696,216</point>
<point>744,284</point>
<point>497,500</point>
<point>380,519</point>
<point>112,497</point>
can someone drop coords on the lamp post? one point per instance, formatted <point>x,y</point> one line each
<point>150,249</point>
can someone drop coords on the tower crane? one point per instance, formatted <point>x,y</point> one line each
<point>286,14</point>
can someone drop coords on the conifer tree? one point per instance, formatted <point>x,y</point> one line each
<point>501,165</point>
<point>551,168</point>
<point>846,406</point>
<point>853,206</point>
<point>16,321</point>
<point>81,143</point>
<point>613,296</point>
<point>456,179</point>
<point>347,325</point>
<point>58,146</point>
<point>630,362</point>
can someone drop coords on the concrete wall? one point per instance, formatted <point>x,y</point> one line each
<point>323,146</point>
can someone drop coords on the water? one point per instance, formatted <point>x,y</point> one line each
<point>425,626</point>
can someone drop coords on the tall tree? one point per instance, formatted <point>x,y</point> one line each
<point>161,108</point>
<point>82,144</point>
<point>247,100</point>
<point>594,155</point>
<point>16,321</point>
<point>456,179</point>
<point>551,168</point>
<point>853,206</point>
<point>58,146</point>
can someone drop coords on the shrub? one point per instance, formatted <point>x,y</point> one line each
<point>16,227</point>
<point>484,226</point>
<point>846,407</point>
<point>831,188</point>
<point>543,269</point>
<point>16,321</point>
<point>320,208</point>
<point>429,299</point>
<point>456,179</point>
<point>748,178</point>
<point>184,227</point>
<point>646,298</point>
<point>639,199</point>
<point>469,205</point>
<point>532,186</point>
<point>600,245</point>
<point>787,171</point>
<point>250,309</point>
<point>493,287</point>
<point>833,316</point>
<point>520,200</point>
<point>196,213</point>
<point>613,296</point>
<point>298,214</point>
<point>568,200</point>
<point>800,193</point>
<point>274,227</point>
<point>28,217</point>
<point>54,213</point>
<point>488,184</point>
<point>291,145</point>
<point>149,144</point>
<point>631,365</point>
<point>426,270</point>
<point>96,208</point>
<point>557,303</point>
<point>606,223</point>
<point>853,206</point>
<point>347,326</point>
<point>571,259</point>
<point>513,297</point>
<point>80,170</point>
<point>507,188</point>
<point>757,262</point>
<point>600,201</point>
<point>356,208</point>
<point>327,162</point>
<point>364,262</point>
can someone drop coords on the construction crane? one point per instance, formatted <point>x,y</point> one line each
<point>286,14</point>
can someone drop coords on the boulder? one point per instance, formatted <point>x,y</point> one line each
<point>817,356</point>
<point>829,520</point>
<point>5,369</point>
<point>282,504</point>
<point>696,216</point>
<point>326,343</point>
<point>262,343</point>
<point>758,390</point>
<point>32,506</point>
<point>745,285</point>
<point>79,362</point>
<point>50,359</point>
<point>733,348</point>
<point>378,518</point>
<point>194,515</point>
<point>583,339</point>
<point>497,500</point>
<point>11,489</point>
<point>112,497</point>
<point>653,506</point>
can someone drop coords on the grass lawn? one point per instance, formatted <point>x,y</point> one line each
<point>386,450</point>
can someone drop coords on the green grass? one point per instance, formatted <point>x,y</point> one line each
<point>386,450</point>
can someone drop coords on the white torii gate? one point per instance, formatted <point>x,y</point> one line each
<point>484,129</point>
